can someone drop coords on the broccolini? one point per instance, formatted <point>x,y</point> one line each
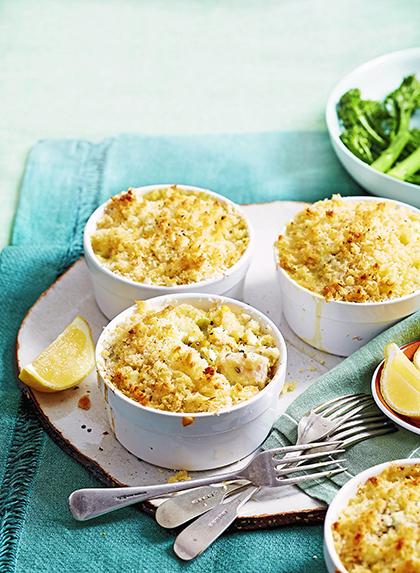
<point>378,132</point>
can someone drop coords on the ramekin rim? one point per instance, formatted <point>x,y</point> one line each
<point>280,343</point>
<point>332,121</point>
<point>343,495</point>
<point>343,303</point>
<point>242,261</point>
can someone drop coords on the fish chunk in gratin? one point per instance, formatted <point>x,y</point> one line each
<point>181,358</point>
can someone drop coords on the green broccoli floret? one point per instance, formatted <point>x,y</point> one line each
<point>379,133</point>
<point>401,104</point>
<point>366,114</point>
<point>359,143</point>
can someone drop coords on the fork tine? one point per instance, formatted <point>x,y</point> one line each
<point>360,419</point>
<point>306,457</point>
<point>302,468</point>
<point>351,428</point>
<point>319,475</point>
<point>368,434</point>
<point>374,413</point>
<point>363,407</point>
<point>361,430</point>
<point>340,409</point>
<point>339,399</point>
<point>340,420</point>
<point>302,447</point>
<point>337,422</point>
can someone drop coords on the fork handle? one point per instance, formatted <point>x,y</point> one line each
<point>88,503</point>
<point>179,509</point>
<point>198,536</point>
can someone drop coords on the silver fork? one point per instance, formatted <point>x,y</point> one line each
<point>264,469</point>
<point>320,422</point>
<point>341,413</point>
<point>200,534</point>
<point>187,505</point>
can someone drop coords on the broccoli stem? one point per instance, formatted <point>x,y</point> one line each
<point>365,123</point>
<point>391,153</point>
<point>407,167</point>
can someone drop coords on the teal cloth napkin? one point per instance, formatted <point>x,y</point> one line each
<point>352,375</point>
<point>63,182</point>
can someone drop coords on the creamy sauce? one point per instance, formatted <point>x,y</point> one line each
<point>316,340</point>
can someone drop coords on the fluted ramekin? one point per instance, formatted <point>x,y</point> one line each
<point>193,441</point>
<point>115,293</point>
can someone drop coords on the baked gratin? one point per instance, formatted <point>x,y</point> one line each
<point>353,251</point>
<point>379,530</point>
<point>169,236</point>
<point>180,358</point>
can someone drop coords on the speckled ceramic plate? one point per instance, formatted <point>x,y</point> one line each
<point>85,434</point>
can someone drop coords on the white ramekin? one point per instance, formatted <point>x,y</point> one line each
<point>340,502</point>
<point>115,293</point>
<point>212,440</point>
<point>335,326</point>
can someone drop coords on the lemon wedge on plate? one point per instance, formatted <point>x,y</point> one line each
<point>65,362</point>
<point>400,382</point>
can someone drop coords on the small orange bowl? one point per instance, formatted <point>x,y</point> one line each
<point>411,424</point>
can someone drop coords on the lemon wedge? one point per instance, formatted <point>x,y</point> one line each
<point>66,361</point>
<point>400,382</point>
<point>416,358</point>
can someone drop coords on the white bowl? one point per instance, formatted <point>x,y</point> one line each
<point>213,439</point>
<point>375,79</point>
<point>115,293</point>
<point>340,502</point>
<point>340,327</point>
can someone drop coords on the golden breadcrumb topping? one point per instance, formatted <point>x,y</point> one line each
<point>353,251</point>
<point>181,358</point>
<point>169,236</point>
<point>379,530</point>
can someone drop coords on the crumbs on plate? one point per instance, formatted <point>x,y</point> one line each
<point>84,402</point>
<point>181,475</point>
<point>289,387</point>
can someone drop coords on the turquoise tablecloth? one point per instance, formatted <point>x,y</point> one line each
<point>63,182</point>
